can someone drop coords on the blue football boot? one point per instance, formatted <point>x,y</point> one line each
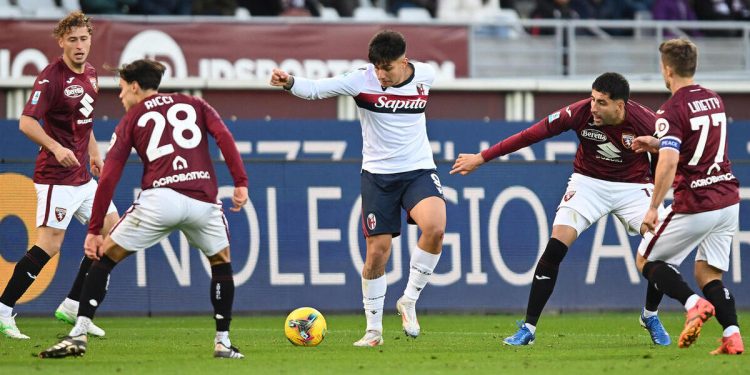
<point>522,337</point>
<point>654,327</point>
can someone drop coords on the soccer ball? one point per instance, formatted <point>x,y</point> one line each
<point>305,326</point>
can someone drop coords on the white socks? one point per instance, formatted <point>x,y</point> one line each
<point>373,297</point>
<point>691,301</point>
<point>70,304</point>
<point>648,314</point>
<point>531,328</point>
<point>731,330</point>
<point>223,338</point>
<point>5,311</point>
<point>420,269</point>
<point>81,327</point>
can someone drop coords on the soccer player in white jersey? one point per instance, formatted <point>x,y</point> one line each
<point>397,169</point>
<point>692,148</point>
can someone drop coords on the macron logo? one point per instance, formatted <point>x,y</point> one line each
<point>33,277</point>
<point>43,81</point>
<point>541,277</point>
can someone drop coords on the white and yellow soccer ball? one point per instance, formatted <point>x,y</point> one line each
<point>305,326</point>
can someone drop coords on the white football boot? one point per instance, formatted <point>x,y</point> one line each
<point>68,312</point>
<point>407,309</point>
<point>371,338</point>
<point>9,328</point>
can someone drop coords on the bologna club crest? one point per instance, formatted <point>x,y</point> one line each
<point>627,140</point>
<point>60,213</point>
<point>371,222</point>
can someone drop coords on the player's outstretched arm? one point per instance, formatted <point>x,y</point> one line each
<point>467,163</point>
<point>30,127</point>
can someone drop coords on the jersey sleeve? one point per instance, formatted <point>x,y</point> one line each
<point>117,155</point>
<point>348,84</point>
<point>550,126</point>
<point>42,97</point>
<point>668,129</point>
<point>224,139</point>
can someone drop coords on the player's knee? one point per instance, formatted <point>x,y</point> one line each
<point>220,258</point>
<point>650,267</point>
<point>433,233</point>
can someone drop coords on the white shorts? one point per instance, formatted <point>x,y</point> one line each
<point>56,205</point>
<point>593,198</point>
<point>678,234</point>
<point>158,212</point>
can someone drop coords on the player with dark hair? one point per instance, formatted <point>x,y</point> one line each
<point>63,100</point>
<point>170,134</point>
<point>692,144</point>
<point>398,170</point>
<point>608,177</point>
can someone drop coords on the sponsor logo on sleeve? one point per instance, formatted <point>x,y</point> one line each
<point>74,91</point>
<point>553,117</point>
<point>94,83</point>
<point>35,97</point>
<point>43,81</point>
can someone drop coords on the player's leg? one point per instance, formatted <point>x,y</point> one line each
<point>712,261</point>
<point>374,285</point>
<point>206,229</point>
<point>424,202</point>
<point>222,298</point>
<point>93,293</point>
<point>633,201</point>
<point>649,317</point>
<point>545,274</point>
<point>675,237</point>
<point>149,219</point>
<point>52,220</point>
<point>381,221</point>
<point>67,311</point>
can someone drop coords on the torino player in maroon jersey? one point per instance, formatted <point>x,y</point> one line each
<point>692,147</point>
<point>63,100</point>
<point>608,177</point>
<point>170,134</point>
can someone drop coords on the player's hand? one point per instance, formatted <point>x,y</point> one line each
<point>96,165</point>
<point>239,198</point>
<point>651,220</point>
<point>280,78</point>
<point>92,246</point>
<point>467,163</point>
<point>65,157</point>
<point>645,143</point>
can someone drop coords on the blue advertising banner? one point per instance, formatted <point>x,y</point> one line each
<point>298,242</point>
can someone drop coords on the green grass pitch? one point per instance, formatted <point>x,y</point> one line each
<point>578,343</point>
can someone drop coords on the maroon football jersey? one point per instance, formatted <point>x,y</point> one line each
<point>63,101</point>
<point>694,123</point>
<point>603,151</point>
<point>170,134</point>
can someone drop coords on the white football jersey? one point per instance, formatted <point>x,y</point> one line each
<point>394,133</point>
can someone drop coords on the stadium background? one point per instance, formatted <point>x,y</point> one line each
<point>298,241</point>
